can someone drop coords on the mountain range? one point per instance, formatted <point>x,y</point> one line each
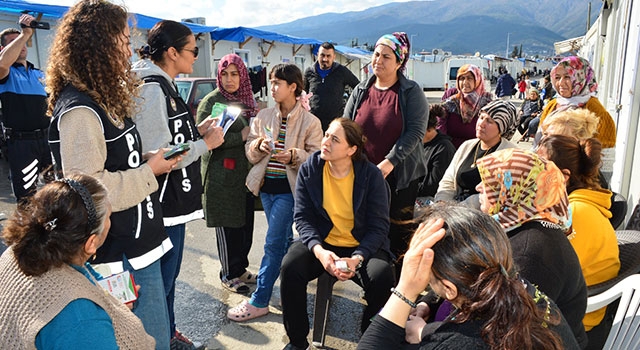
<point>459,26</point>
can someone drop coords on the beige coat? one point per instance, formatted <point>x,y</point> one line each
<point>303,137</point>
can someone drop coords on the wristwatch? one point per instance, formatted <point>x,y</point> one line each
<point>360,259</point>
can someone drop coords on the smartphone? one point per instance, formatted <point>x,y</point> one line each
<point>342,266</point>
<point>176,150</point>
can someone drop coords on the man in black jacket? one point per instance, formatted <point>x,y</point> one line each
<point>327,80</point>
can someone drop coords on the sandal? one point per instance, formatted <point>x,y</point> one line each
<point>248,277</point>
<point>246,312</point>
<point>235,285</point>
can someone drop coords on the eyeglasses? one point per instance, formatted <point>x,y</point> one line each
<point>195,51</point>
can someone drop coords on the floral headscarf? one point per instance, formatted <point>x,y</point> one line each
<point>521,187</point>
<point>583,81</point>
<point>245,91</point>
<point>468,105</point>
<point>398,42</point>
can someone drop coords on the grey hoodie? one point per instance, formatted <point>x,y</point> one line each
<point>151,116</point>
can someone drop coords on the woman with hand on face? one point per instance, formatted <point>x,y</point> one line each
<point>228,205</point>
<point>341,214</point>
<point>393,111</point>
<point>465,257</point>
<point>280,140</point>
<point>49,294</point>
<point>494,128</point>
<point>91,91</point>
<point>526,194</point>
<point>164,120</point>
<point>463,108</point>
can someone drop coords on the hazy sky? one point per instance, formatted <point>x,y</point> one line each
<point>234,13</point>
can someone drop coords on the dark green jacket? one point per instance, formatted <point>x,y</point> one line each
<point>224,171</point>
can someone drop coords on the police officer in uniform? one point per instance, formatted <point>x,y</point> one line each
<point>24,106</point>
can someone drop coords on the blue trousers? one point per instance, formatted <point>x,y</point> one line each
<point>279,211</point>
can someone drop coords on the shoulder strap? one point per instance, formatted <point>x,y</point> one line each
<point>167,89</point>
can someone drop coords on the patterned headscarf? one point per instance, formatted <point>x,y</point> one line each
<point>505,115</point>
<point>521,187</point>
<point>583,82</point>
<point>245,91</point>
<point>398,42</point>
<point>470,104</point>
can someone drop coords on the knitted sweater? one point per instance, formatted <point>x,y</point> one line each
<point>28,303</point>
<point>606,132</point>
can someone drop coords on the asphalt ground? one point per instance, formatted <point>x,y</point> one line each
<point>201,302</point>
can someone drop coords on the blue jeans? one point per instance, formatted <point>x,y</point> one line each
<point>279,211</point>
<point>151,306</point>
<point>170,266</point>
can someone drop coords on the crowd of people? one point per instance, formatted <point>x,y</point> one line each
<point>383,189</point>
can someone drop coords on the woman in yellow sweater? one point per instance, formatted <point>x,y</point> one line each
<point>593,237</point>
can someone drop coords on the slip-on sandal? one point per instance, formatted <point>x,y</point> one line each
<point>249,277</point>
<point>246,312</point>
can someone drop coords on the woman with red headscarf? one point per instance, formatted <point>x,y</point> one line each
<point>463,108</point>
<point>228,206</point>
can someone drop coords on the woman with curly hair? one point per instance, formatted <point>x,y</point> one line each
<point>526,194</point>
<point>466,258</point>
<point>91,99</point>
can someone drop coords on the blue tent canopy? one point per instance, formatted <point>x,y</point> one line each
<point>141,21</point>
<point>241,34</point>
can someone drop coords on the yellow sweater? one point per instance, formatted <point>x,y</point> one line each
<point>606,127</point>
<point>594,241</point>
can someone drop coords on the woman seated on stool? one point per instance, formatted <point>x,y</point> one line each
<point>342,215</point>
<point>466,258</point>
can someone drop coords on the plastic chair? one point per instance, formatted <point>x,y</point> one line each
<point>618,208</point>
<point>321,308</point>
<point>629,253</point>
<point>625,332</point>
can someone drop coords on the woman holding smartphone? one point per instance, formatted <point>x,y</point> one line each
<point>163,119</point>
<point>280,140</point>
<point>342,216</point>
<point>91,93</point>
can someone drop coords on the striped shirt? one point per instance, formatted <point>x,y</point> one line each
<point>275,169</point>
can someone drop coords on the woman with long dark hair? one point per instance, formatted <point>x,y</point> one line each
<point>466,258</point>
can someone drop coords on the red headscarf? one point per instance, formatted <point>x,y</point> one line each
<point>245,91</point>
